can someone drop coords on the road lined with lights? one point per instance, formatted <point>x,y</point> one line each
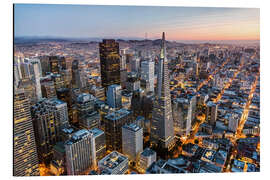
<point>246,109</point>
<point>211,75</point>
<point>227,85</point>
<point>242,122</point>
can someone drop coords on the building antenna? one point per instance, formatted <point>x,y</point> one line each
<point>146,35</point>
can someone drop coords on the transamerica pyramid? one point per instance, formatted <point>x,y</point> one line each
<point>162,122</point>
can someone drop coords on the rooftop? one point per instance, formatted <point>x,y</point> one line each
<point>112,160</point>
<point>96,132</point>
<point>148,152</point>
<point>55,101</point>
<point>132,127</point>
<point>84,97</point>
<point>209,154</point>
<point>68,130</point>
<point>118,114</point>
<point>59,147</point>
<point>77,136</point>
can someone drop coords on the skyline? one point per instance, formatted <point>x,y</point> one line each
<point>180,23</point>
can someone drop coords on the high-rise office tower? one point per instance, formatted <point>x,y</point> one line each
<point>17,75</point>
<point>192,98</point>
<point>123,63</point>
<point>109,62</point>
<point>211,113</point>
<point>98,92</point>
<point>129,58</point>
<point>35,70</point>
<point>132,141</point>
<point>25,70</point>
<point>74,69</point>
<point>64,94</point>
<point>182,116</point>
<point>123,76</point>
<point>99,149</point>
<point>49,115</point>
<point>25,159</point>
<point>47,87</point>
<point>29,89</point>
<point>114,98</point>
<point>135,65</point>
<point>123,68</point>
<point>44,61</point>
<point>78,76</point>
<point>87,116</point>
<point>67,77</point>
<point>79,152</point>
<point>62,63</point>
<point>148,73</point>
<point>133,84</point>
<point>137,102</point>
<point>54,65</point>
<point>58,81</point>
<point>162,131</point>
<point>113,128</point>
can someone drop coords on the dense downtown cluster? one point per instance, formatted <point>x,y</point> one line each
<point>134,107</point>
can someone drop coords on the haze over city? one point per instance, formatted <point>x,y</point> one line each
<point>137,22</point>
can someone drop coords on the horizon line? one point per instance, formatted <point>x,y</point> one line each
<point>127,38</point>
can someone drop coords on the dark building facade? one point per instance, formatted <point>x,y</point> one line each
<point>109,62</point>
<point>49,115</point>
<point>113,128</point>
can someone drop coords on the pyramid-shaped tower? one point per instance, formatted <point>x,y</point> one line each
<point>162,122</point>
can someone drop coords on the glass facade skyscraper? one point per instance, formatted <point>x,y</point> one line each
<point>109,62</point>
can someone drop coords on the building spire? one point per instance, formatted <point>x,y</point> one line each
<point>163,36</point>
<point>163,48</point>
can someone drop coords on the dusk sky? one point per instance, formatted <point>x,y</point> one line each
<point>179,23</point>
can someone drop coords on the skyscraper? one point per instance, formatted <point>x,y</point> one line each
<point>47,87</point>
<point>58,81</point>
<point>182,115</point>
<point>35,70</point>
<point>54,64</point>
<point>87,116</point>
<point>99,145</point>
<point>147,73</point>
<point>114,96</point>
<point>78,76</point>
<point>79,152</point>
<point>109,62</point>
<point>25,160</point>
<point>132,141</point>
<point>25,70</point>
<point>29,89</point>
<point>49,115</point>
<point>113,128</point>
<point>135,65</point>
<point>17,75</point>
<point>74,69</point>
<point>162,131</point>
